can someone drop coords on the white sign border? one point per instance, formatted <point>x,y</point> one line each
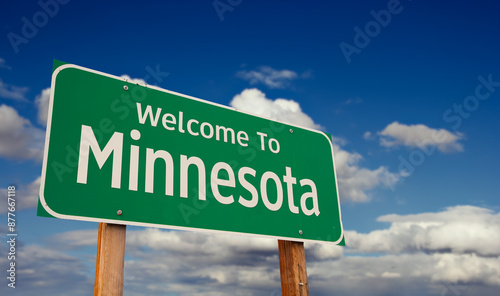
<point>122,222</point>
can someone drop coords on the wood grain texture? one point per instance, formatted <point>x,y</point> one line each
<point>293,268</point>
<point>110,260</point>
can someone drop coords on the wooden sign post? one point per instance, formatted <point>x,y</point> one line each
<point>78,114</point>
<point>293,271</point>
<point>110,260</point>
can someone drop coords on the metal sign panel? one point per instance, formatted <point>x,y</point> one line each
<point>125,153</point>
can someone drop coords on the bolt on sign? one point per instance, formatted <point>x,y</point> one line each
<point>125,153</point>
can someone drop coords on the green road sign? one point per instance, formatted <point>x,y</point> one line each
<point>124,153</point>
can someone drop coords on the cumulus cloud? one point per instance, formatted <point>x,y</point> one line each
<point>422,136</point>
<point>160,262</point>
<point>182,242</point>
<point>42,104</point>
<point>76,239</point>
<point>8,91</point>
<point>26,196</point>
<point>196,263</point>
<point>426,254</point>
<point>193,263</point>
<point>354,181</point>
<point>322,252</point>
<point>466,268</point>
<point>415,274</point>
<point>254,101</point>
<point>458,229</point>
<point>199,272</point>
<point>19,139</point>
<point>269,76</point>
<point>41,270</point>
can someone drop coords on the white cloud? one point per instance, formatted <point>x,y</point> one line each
<point>353,101</point>
<point>42,270</point>
<point>354,180</point>
<point>18,138</point>
<point>468,268</point>
<point>415,274</point>
<point>419,135</point>
<point>426,253</point>
<point>368,136</point>
<point>387,274</point>
<point>196,263</point>
<point>3,64</point>
<point>134,80</point>
<point>254,101</point>
<point>42,103</point>
<point>183,243</point>
<point>160,262</point>
<point>459,229</point>
<point>269,76</point>
<point>26,196</point>
<point>8,91</point>
<point>192,263</point>
<point>76,239</point>
<point>321,252</point>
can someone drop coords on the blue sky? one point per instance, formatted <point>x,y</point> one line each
<point>430,227</point>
